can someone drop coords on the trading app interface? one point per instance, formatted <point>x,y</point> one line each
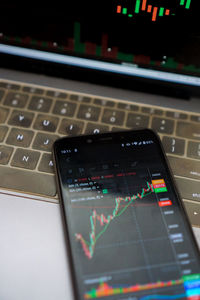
<point>128,237</point>
<point>153,34</point>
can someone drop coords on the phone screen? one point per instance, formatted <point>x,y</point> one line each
<point>128,233</point>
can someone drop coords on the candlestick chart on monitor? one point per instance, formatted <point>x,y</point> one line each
<point>154,9</point>
<point>144,33</point>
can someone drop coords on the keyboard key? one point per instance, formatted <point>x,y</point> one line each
<point>44,141</point>
<point>26,159</point>
<point>20,137</point>
<point>16,99</point>
<point>114,117</point>
<point>104,102</point>
<point>9,86</point>
<point>87,112</point>
<point>5,154</point>
<point>126,106</point>
<point>193,150</point>
<point>176,115</point>
<point>46,123</point>
<point>152,111</point>
<point>27,181</point>
<point>56,94</point>
<point>46,164</point>
<point>195,118</point>
<point>173,145</point>
<point>21,118</point>
<point>3,131</point>
<point>80,98</point>
<point>3,114</point>
<point>96,128</point>
<point>64,108</point>
<point>40,104</point>
<point>163,125</point>
<point>193,211</point>
<point>33,90</point>
<point>116,129</point>
<point>188,130</point>
<point>185,167</point>
<point>71,127</point>
<point>136,120</point>
<point>189,189</point>
<point>1,94</point>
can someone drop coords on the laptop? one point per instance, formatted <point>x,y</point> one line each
<point>78,68</point>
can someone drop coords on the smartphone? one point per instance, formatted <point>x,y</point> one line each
<point>127,230</point>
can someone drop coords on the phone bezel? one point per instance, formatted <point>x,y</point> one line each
<point>106,138</point>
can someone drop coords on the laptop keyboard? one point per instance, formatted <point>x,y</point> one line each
<point>33,117</point>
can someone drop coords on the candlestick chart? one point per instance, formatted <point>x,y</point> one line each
<point>105,221</point>
<point>156,11</point>
<point>102,215</point>
<point>88,39</point>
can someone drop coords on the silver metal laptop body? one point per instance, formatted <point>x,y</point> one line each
<point>75,75</point>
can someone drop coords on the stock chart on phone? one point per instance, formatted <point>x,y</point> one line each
<point>128,239</point>
<point>155,34</point>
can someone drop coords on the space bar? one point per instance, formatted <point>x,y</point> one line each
<point>25,181</point>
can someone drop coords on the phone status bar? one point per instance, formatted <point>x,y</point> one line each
<point>123,145</point>
<point>68,151</point>
<point>137,143</point>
